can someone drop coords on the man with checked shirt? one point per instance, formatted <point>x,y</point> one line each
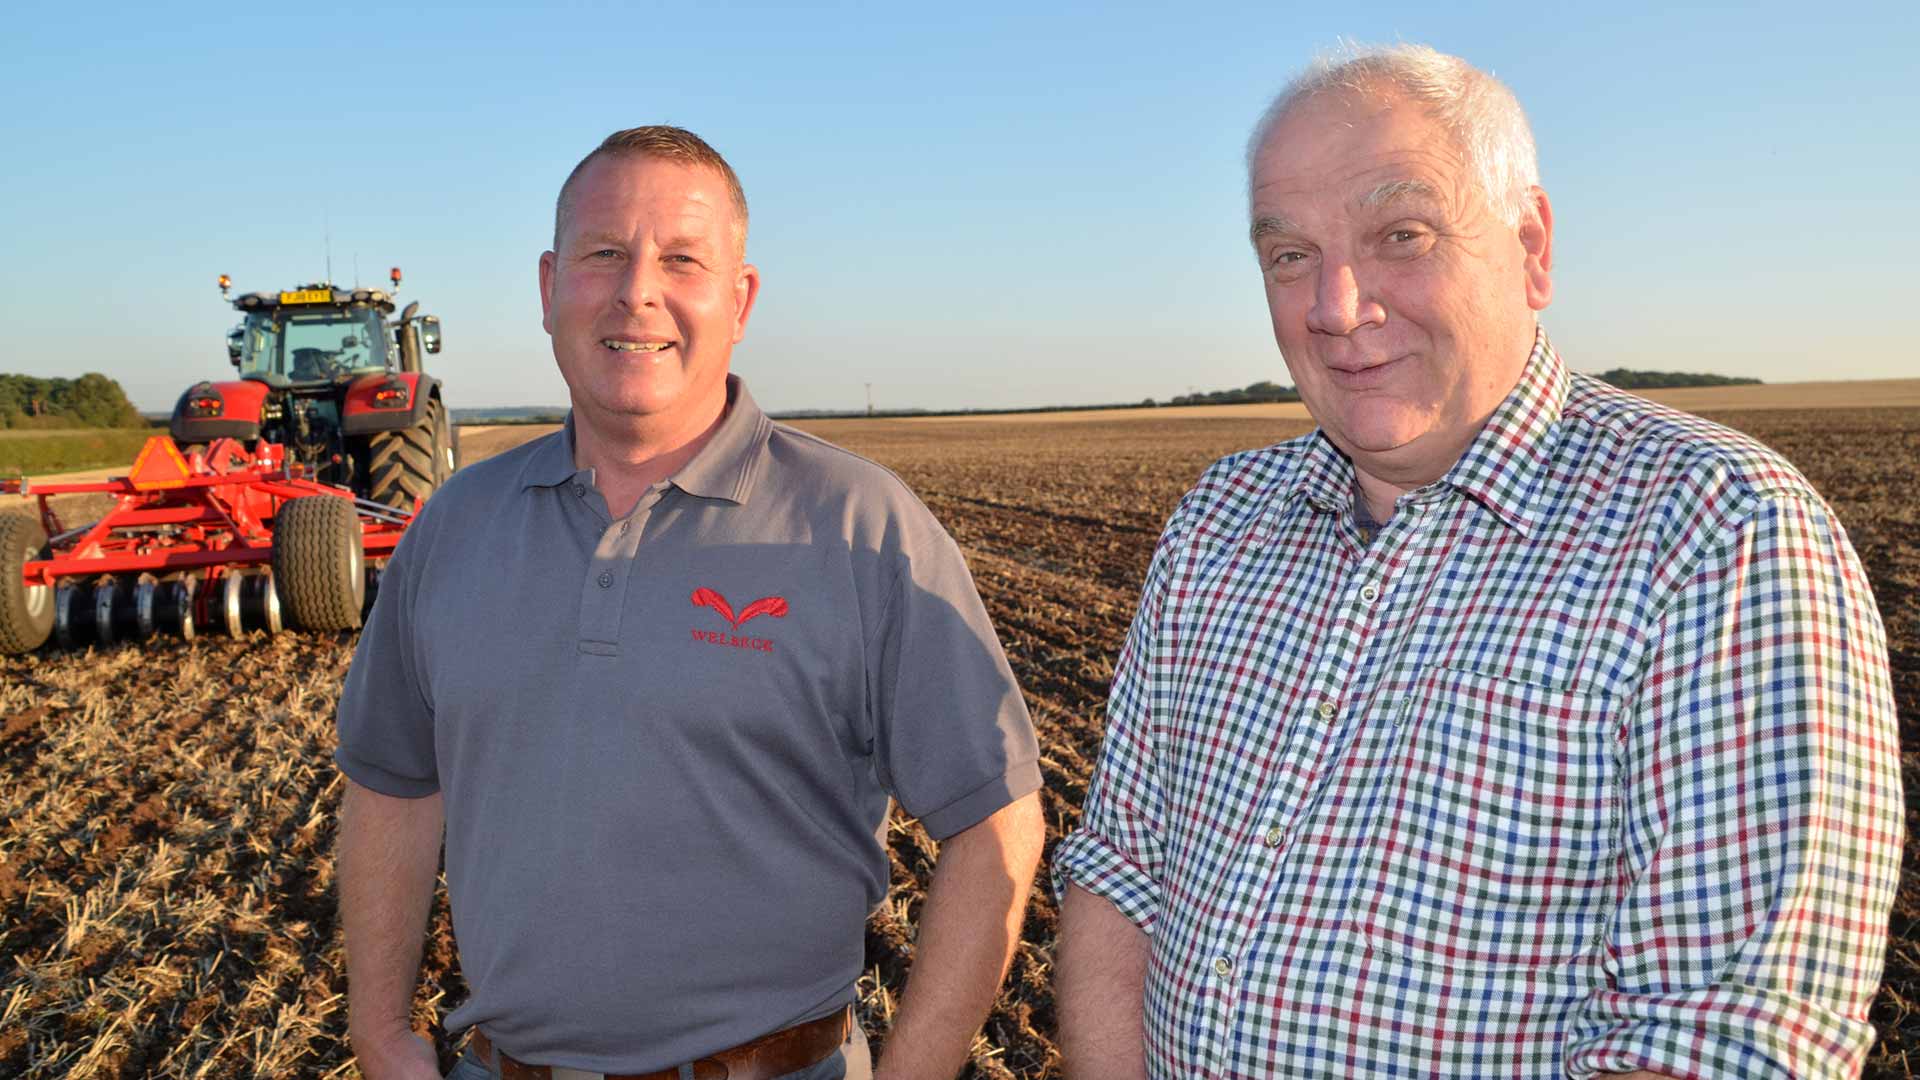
<point>1507,724</point>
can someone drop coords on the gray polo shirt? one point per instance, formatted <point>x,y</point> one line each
<point>666,743</point>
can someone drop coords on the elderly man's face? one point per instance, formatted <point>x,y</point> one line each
<point>645,294</point>
<point>1402,304</point>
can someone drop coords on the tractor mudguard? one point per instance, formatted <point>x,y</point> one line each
<point>386,401</point>
<point>219,410</point>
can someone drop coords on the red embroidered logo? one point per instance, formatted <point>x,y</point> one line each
<point>775,606</point>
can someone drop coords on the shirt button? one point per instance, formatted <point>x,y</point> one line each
<point>1275,836</point>
<point>580,490</point>
<point>606,579</point>
<point>624,526</point>
<point>1223,966</point>
<point>1369,593</point>
<point>1327,711</point>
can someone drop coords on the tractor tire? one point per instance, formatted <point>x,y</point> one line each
<point>406,465</point>
<point>319,566</point>
<point>446,446</point>
<point>26,615</point>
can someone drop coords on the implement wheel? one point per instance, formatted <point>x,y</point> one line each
<point>407,465</point>
<point>319,567</point>
<point>26,614</point>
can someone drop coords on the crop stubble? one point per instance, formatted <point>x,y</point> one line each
<point>166,854</point>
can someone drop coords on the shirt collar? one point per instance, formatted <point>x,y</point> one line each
<point>725,468</point>
<point>1505,464</point>
<point>1502,467</point>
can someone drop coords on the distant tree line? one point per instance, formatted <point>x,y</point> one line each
<point>1625,378</point>
<point>1629,379</point>
<point>90,401</point>
<point>1256,392</point>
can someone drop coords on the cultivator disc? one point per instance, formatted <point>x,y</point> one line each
<point>194,543</point>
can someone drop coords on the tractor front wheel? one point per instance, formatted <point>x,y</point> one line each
<point>319,566</point>
<point>406,465</point>
<point>26,613</point>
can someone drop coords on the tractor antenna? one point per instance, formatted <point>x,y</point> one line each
<point>356,269</point>
<point>326,228</point>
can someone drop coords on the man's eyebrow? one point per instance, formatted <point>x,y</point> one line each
<point>686,241</point>
<point>603,237</point>
<point>1270,225</point>
<point>1396,190</point>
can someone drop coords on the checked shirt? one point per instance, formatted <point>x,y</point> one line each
<point>1586,763</point>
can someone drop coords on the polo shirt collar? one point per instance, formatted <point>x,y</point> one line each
<point>725,468</point>
<point>551,463</point>
<point>1501,469</point>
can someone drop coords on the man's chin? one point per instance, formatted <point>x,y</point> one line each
<point>1376,429</point>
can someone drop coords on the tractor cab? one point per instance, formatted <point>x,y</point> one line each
<point>314,336</point>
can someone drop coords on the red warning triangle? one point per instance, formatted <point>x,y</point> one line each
<point>158,466</point>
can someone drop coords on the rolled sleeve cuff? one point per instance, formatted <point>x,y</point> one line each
<point>378,780</point>
<point>979,804</point>
<point>1092,862</point>
<point>1719,1031</point>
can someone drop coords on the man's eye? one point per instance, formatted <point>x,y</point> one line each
<point>604,253</point>
<point>1403,236</point>
<point>1286,258</point>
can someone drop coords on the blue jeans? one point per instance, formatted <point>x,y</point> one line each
<point>851,1062</point>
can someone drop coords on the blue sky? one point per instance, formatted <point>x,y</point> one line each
<point>974,205</point>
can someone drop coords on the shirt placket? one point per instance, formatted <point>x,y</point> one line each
<point>1320,733</point>
<point>603,595</point>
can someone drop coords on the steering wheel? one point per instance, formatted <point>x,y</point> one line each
<point>317,363</point>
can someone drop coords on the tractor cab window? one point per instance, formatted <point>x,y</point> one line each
<point>312,346</point>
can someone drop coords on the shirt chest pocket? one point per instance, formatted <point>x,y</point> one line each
<point>1496,846</point>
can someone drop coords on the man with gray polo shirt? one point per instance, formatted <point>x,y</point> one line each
<point>656,677</point>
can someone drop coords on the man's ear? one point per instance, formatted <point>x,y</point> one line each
<point>746,289</point>
<point>546,290</point>
<point>1536,237</point>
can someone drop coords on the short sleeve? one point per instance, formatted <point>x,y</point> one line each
<point>953,739</point>
<point>385,718</point>
<point>1762,827</point>
<point>1115,853</point>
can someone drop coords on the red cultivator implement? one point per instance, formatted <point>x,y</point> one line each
<point>227,539</point>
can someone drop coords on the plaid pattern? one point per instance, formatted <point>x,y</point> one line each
<point>1588,763</point>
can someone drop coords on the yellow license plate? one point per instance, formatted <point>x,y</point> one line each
<point>307,296</point>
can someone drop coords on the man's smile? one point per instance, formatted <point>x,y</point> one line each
<point>621,345</point>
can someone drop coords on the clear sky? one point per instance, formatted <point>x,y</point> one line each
<point>965,205</point>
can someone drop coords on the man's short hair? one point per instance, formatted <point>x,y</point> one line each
<point>665,143</point>
<point>1484,118</point>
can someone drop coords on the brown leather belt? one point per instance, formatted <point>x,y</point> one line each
<point>788,1050</point>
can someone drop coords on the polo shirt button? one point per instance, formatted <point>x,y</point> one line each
<point>580,490</point>
<point>606,579</point>
<point>1223,966</point>
<point>1369,593</point>
<point>1327,711</point>
<point>1275,836</point>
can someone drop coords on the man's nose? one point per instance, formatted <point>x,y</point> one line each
<point>1339,306</point>
<point>640,285</point>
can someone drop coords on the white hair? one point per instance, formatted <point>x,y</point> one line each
<point>1478,110</point>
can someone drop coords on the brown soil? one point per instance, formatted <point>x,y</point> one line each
<point>166,828</point>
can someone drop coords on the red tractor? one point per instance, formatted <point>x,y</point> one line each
<point>277,499</point>
<point>327,374</point>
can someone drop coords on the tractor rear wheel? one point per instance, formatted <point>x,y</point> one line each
<point>319,566</point>
<point>26,614</point>
<point>406,465</point>
<point>446,447</point>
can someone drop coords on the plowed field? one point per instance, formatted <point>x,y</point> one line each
<point>166,820</point>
